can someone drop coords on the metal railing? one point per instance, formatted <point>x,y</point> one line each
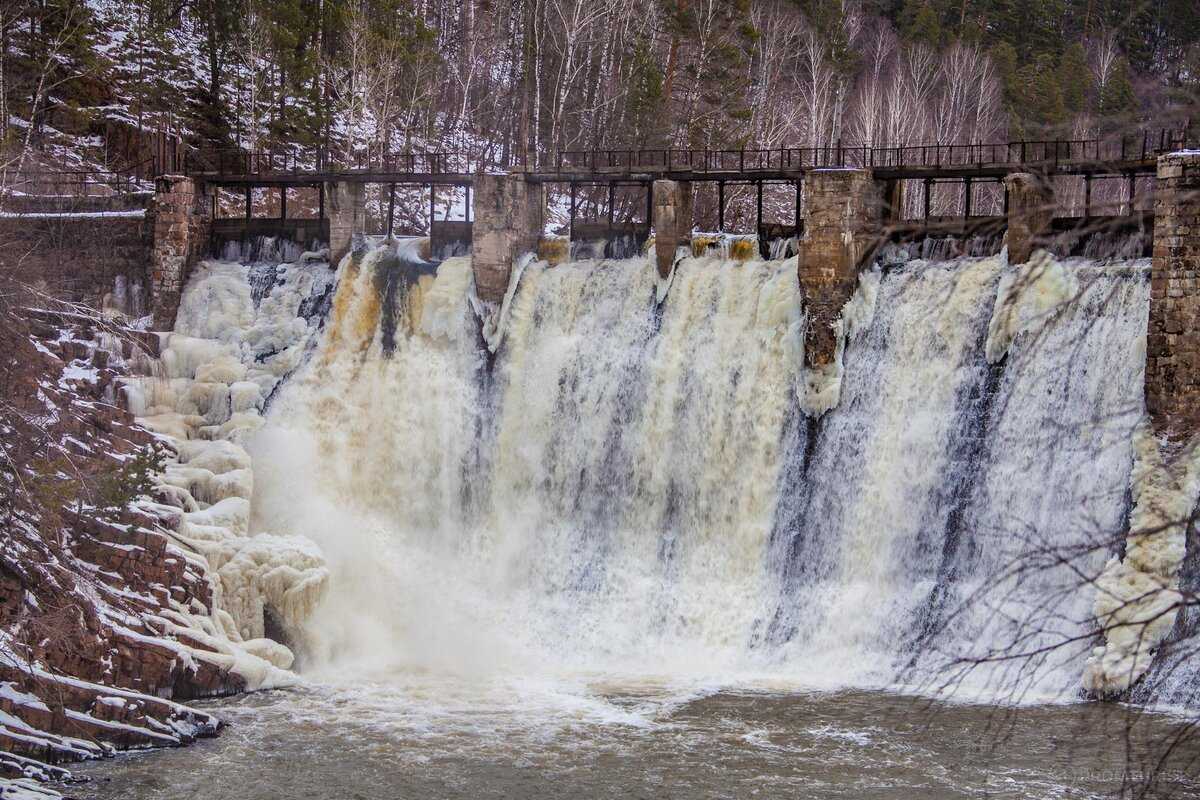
<point>1048,153</point>
<point>78,183</point>
<point>283,162</point>
<point>1051,152</point>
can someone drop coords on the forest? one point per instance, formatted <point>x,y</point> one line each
<point>518,81</point>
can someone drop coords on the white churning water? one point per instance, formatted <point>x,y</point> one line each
<point>632,490</point>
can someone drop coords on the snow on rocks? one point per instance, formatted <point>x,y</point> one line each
<point>240,330</point>
<point>27,788</point>
<point>172,588</point>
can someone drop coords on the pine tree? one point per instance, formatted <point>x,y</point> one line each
<point>208,108</point>
<point>919,23</point>
<point>1004,56</point>
<point>1075,79</point>
<point>1041,104</point>
<point>1118,102</point>
<point>645,96</point>
<point>1032,27</point>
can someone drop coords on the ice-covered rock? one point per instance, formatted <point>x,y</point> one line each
<point>1137,597</point>
<point>239,331</point>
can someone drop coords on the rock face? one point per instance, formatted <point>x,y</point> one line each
<point>841,228</point>
<point>1173,337</point>
<point>1030,210</point>
<point>182,217</point>
<point>508,222</point>
<point>104,614</point>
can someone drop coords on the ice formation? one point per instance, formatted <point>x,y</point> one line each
<point>240,330</point>
<point>1137,597</point>
<point>495,319</point>
<point>663,285</point>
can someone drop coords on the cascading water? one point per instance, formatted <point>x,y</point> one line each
<point>634,489</point>
<point>937,469</point>
<point>608,490</point>
<point>601,548</point>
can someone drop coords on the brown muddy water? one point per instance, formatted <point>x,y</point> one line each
<point>431,739</point>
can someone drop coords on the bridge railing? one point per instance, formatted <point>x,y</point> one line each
<point>866,156</point>
<point>49,183</point>
<point>1035,153</point>
<point>280,162</point>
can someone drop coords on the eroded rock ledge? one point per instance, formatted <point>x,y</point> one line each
<point>107,614</point>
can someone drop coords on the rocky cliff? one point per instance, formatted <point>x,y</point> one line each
<point>106,618</point>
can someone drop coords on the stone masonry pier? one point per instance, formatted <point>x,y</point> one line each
<point>182,212</point>
<point>1173,335</point>
<point>842,228</point>
<point>508,223</point>
<point>1030,211</point>
<point>347,217</point>
<point>672,222</point>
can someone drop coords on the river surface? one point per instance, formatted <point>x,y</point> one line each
<point>430,738</point>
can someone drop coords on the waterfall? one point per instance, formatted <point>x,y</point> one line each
<point>937,470</point>
<point>629,488</point>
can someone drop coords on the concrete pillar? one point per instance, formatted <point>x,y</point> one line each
<point>509,213</point>
<point>845,214</point>
<point>182,213</point>
<point>1030,210</point>
<point>346,207</point>
<point>672,221</point>
<point>893,199</point>
<point>1173,335</point>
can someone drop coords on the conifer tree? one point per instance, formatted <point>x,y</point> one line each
<point>919,23</point>
<point>646,96</point>
<point>1117,104</point>
<point>1075,79</point>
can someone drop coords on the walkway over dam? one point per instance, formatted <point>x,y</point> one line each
<point>848,200</point>
<point>895,169</point>
<point>1096,157</point>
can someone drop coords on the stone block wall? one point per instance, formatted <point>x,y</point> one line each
<point>346,208</point>
<point>1030,212</point>
<point>81,258</point>
<point>841,228</point>
<point>672,221</point>
<point>182,221</point>
<point>509,213</point>
<point>1173,335</point>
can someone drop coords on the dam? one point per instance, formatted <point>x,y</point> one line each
<point>623,525</point>
<point>574,400</point>
<point>678,518</point>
